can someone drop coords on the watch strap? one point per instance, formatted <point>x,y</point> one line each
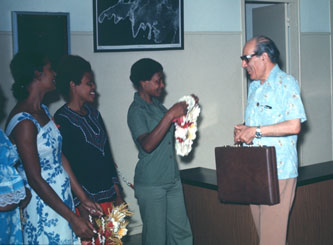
<point>258,132</point>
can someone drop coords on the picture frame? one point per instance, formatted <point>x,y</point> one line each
<point>42,32</point>
<point>121,25</point>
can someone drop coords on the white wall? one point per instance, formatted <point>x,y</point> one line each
<point>316,70</point>
<point>212,15</point>
<point>316,80</point>
<point>315,15</point>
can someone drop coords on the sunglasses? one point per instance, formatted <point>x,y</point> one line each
<point>247,58</point>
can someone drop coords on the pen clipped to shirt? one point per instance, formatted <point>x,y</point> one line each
<point>265,106</point>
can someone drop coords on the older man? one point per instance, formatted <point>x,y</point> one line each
<point>273,117</point>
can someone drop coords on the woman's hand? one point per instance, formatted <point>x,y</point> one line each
<point>90,207</point>
<point>177,110</point>
<point>84,213</point>
<point>82,228</point>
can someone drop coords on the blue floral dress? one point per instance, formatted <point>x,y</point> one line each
<point>43,225</point>
<point>12,191</point>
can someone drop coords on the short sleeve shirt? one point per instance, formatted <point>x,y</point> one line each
<point>275,101</point>
<point>159,166</point>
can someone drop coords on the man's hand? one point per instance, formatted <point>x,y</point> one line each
<point>244,134</point>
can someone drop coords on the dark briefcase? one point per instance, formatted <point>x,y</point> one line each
<point>247,175</point>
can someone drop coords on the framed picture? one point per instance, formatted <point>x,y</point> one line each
<point>132,25</point>
<point>42,32</point>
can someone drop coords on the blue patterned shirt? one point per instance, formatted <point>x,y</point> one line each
<point>275,101</point>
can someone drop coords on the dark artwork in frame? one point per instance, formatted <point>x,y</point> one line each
<point>41,32</point>
<point>134,25</point>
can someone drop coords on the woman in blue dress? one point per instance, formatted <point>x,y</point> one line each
<point>49,215</point>
<point>12,194</point>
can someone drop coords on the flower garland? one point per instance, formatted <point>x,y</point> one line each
<point>186,127</point>
<point>112,227</point>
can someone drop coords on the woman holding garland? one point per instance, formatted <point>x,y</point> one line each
<point>85,140</point>
<point>156,182</point>
<point>49,215</point>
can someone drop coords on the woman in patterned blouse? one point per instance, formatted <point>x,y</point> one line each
<point>85,140</point>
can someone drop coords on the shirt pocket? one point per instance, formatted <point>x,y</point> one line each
<point>270,114</point>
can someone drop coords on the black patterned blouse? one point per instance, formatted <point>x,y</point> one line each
<point>85,144</point>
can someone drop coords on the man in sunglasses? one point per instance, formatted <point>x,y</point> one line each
<point>273,117</point>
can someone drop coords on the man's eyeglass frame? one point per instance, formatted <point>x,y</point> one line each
<point>247,58</point>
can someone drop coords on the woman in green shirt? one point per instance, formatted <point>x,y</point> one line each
<point>157,183</point>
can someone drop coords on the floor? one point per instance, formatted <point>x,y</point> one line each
<point>132,240</point>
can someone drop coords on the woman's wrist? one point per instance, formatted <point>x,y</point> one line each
<point>71,217</point>
<point>83,197</point>
<point>169,116</point>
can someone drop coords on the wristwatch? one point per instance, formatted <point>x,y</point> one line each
<point>258,132</point>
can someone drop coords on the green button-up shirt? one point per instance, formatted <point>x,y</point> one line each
<point>160,166</point>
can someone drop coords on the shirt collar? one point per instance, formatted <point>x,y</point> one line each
<point>274,73</point>
<point>271,77</point>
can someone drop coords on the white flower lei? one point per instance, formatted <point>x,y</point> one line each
<point>186,127</point>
